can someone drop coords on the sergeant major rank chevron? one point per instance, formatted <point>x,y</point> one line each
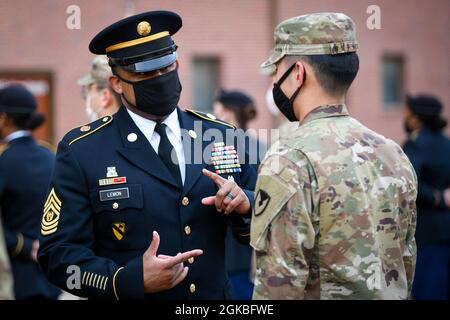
<point>52,211</point>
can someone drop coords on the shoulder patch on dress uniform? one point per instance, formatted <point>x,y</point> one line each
<point>90,128</point>
<point>209,117</point>
<point>52,212</point>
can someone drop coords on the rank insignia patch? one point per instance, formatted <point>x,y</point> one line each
<point>225,159</point>
<point>52,212</point>
<point>118,229</point>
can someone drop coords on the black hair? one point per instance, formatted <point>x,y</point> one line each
<point>241,104</point>
<point>26,121</point>
<point>433,122</point>
<point>335,73</point>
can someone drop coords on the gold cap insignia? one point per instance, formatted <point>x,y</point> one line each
<point>118,229</point>
<point>144,28</point>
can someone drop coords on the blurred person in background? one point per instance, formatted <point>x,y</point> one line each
<point>6,279</point>
<point>100,99</point>
<point>237,108</point>
<point>25,168</point>
<point>282,124</point>
<point>429,151</point>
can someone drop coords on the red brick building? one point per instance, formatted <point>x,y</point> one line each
<point>222,43</point>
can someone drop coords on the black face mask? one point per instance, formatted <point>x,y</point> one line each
<point>284,103</point>
<point>157,96</point>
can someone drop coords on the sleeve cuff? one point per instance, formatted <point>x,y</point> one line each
<point>19,246</point>
<point>128,281</point>
<point>22,249</point>
<point>250,196</point>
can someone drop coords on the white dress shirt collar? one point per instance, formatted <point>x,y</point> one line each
<point>148,126</point>
<point>16,135</point>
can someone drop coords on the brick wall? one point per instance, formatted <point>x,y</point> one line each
<point>33,36</point>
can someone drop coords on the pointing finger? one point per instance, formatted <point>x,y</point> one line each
<point>218,180</point>
<point>183,257</point>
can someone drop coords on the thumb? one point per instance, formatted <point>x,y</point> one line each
<point>154,245</point>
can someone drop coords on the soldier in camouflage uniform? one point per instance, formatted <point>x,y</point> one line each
<point>6,279</point>
<point>335,213</point>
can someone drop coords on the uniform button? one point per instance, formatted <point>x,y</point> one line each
<point>187,230</point>
<point>115,205</point>
<point>192,288</point>
<point>132,137</point>
<point>185,201</point>
<point>191,260</point>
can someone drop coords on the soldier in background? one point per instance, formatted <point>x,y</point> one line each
<point>429,151</point>
<point>6,279</point>
<point>100,99</point>
<point>334,214</point>
<point>25,169</point>
<point>237,108</point>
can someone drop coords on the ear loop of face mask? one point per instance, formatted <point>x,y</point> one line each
<point>122,94</point>
<point>285,75</point>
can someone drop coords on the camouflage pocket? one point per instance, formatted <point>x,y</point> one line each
<point>271,194</point>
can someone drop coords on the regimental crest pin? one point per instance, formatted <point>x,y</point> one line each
<point>111,172</point>
<point>118,229</point>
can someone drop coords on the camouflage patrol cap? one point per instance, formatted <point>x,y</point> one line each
<point>312,34</point>
<point>99,73</point>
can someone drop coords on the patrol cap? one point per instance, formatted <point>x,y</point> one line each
<point>312,34</point>
<point>140,43</point>
<point>99,73</point>
<point>15,98</point>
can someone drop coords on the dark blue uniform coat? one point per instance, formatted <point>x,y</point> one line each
<point>105,233</point>
<point>429,153</point>
<point>25,170</point>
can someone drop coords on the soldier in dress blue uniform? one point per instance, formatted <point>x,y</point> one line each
<point>428,148</point>
<point>133,202</point>
<point>25,170</point>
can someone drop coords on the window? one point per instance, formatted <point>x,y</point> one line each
<point>393,81</point>
<point>205,83</point>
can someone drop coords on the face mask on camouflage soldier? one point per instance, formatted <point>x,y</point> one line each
<point>285,104</point>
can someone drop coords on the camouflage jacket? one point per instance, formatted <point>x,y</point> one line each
<point>334,214</point>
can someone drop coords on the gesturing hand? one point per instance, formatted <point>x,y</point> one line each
<point>447,197</point>
<point>164,272</point>
<point>230,196</point>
